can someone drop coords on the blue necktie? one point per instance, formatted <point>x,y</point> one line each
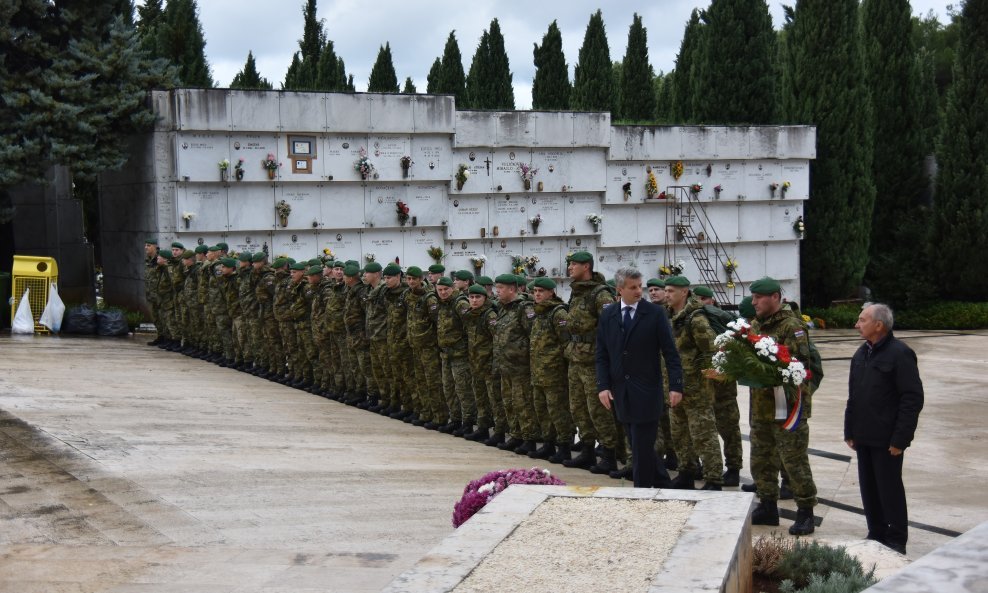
<point>626,322</point>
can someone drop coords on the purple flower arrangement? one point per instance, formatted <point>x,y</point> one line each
<point>480,492</point>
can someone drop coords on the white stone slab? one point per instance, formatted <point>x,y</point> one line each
<point>340,153</point>
<point>468,214</point>
<point>480,163</point>
<point>506,170</point>
<point>417,241</point>
<point>201,109</point>
<point>385,151</point>
<point>515,128</point>
<point>434,113</point>
<point>592,129</point>
<point>198,155</point>
<point>386,245</point>
<point>391,113</point>
<point>342,206</point>
<point>380,210</point>
<point>252,148</point>
<point>475,128</point>
<point>255,111</point>
<point>251,207</point>
<point>298,244</point>
<point>346,112</point>
<point>555,128</point>
<point>300,111</point>
<point>305,202</point>
<point>252,242</point>
<point>431,158</point>
<point>207,201</point>
<point>345,243</point>
<point>577,207</point>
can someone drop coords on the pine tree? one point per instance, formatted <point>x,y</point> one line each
<point>899,145</point>
<point>304,75</point>
<point>663,98</point>
<point>682,81</point>
<point>475,94</point>
<point>350,87</point>
<point>593,85</point>
<point>329,77</point>
<point>293,75</point>
<point>249,78</point>
<point>551,87</point>
<point>735,76</point>
<point>149,17</point>
<point>828,87</point>
<point>382,77</point>
<point>617,99</point>
<point>637,93</point>
<point>409,88</point>
<point>180,41</point>
<point>451,79</point>
<point>432,80</point>
<point>961,203</point>
<point>499,85</point>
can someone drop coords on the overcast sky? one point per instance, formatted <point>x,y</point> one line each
<point>417,31</point>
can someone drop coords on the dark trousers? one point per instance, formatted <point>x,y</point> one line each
<point>882,494</point>
<point>646,468</point>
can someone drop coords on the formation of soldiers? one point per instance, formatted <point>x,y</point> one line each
<point>501,361</point>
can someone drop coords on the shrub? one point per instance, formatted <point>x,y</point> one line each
<point>805,560</point>
<point>839,317</point>
<point>767,552</point>
<point>832,583</point>
<point>945,315</point>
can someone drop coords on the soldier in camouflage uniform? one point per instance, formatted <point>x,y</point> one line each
<point>422,308</point>
<point>550,335</point>
<point>399,354</point>
<point>589,294</point>
<point>151,285</point>
<point>512,360</point>
<point>283,315</point>
<point>241,283</point>
<point>299,305</point>
<point>342,378</point>
<point>451,338</point>
<point>769,440</point>
<point>186,297</point>
<point>320,330</point>
<point>270,344</point>
<point>355,320</point>
<point>222,296</point>
<point>479,323</point>
<point>694,428</point>
<point>377,333</point>
<point>165,296</point>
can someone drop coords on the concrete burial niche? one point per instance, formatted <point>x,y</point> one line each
<point>561,538</point>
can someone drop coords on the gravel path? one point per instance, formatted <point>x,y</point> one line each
<point>582,544</point>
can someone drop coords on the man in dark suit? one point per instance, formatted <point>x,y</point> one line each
<point>631,335</point>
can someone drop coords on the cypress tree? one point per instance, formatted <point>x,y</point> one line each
<point>637,93</point>
<point>593,84</point>
<point>499,82</point>
<point>180,41</point>
<point>476,96</point>
<point>682,81</point>
<point>451,79</point>
<point>663,98</point>
<point>350,87</point>
<point>899,146</point>
<point>304,75</point>
<point>828,87</point>
<point>735,75</point>
<point>551,87</point>
<point>617,99</point>
<point>432,80</point>
<point>382,77</point>
<point>249,78</point>
<point>328,74</point>
<point>148,19</point>
<point>961,202</point>
<point>293,75</point>
<point>409,88</point>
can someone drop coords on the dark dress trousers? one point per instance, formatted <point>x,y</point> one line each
<point>628,365</point>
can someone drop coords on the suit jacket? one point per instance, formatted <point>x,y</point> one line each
<point>628,361</point>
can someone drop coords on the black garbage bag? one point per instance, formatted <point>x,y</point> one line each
<point>80,319</point>
<point>111,322</point>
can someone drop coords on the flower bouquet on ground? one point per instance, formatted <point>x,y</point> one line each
<point>479,492</point>
<point>759,361</point>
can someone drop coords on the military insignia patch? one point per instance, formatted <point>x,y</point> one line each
<point>799,333</point>
<point>562,322</point>
<point>530,314</point>
<point>492,322</point>
<point>433,307</point>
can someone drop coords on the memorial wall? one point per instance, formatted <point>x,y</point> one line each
<point>493,190</point>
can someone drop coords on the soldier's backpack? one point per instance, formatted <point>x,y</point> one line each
<point>717,317</point>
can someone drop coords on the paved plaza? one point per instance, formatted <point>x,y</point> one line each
<point>125,468</point>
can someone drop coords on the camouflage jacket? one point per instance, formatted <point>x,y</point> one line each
<point>334,299</point>
<point>282,296</point>
<point>377,313</point>
<point>207,270</point>
<point>695,343</point>
<point>264,282</point>
<point>787,328</point>
<point>550,335</point>
<point>511,336</point>
<point>165,290</point>
<point>586,300</point>
<point>354,313</point>
<point>397,315</point>
<point>190,289</point>
<point>247,292</point>
<point>317,307</point>
<point>479,325</point>
<point>422,308</point>
<point>299,301</point>
<point>151,280</point>
<point>450,334</point>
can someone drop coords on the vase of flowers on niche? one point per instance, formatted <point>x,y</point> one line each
<point>187,217</point>
<point>676,170</point>
<point>364,166</point>
<point>406,165</point>
<point>401,209</point>
<point>531,262</point>
<point>462,174</point>
<point>270,164</point>
<point>238,170</point>
<point>224,170</point>
<point>799,227</point>
<point>283,209</point>
<point>785,188</point>
<point>651,185</point>
<point>527,173</point>
<point>436,254</point>
<point>731,267</point>
<point>626,188</point>
<point>595,219</point>
<point>478,262</point>
<point>535,221</point>
<point>772,187</point>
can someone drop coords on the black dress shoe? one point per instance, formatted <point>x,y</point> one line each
<point>510,444</point>
<point>684,481</point>
<point>749,487</point>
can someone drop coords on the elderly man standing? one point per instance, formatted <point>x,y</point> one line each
<point>885,396</point>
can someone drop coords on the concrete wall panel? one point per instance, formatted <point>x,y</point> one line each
<point>554,129</point>
<point>348,113</point>
<point>339,155</point>
<point>434,114</point>
<point>301,111</point>
<point>432,157</point>
<point>515,128</point>
<point>252,208</point>
<point>391,113</point>
<point>305,202</point>
<point>200,109</point>
<point>480,163</point>
<point>342,207</point>
<point>475,128</point>
<point>468,214</point>
<point>255,111</point>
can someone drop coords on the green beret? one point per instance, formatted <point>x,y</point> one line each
<point>291,260</point>
<point>437,268</point>
<point>746,309</point>
<point>484,281</point>
<point>339,264</point>
<point>506,279</point>
<point>213,248</point>
<point>177,245</point>
<point>313,270</point>
<point>373,267</point>
<point>150,241</point>
<point>352,262</point>
<point>245,256</point>
<point>477,289</point>
<point>581,257</point>
<point>392,270</point>
<point>351,270</point>
<point>165,254</point>
<point>329,262</point>
<point>544,282</point>
<point>223,246</point>
<point>681,281</point>
<point>612,283</point>
<point>445,281</point>
<point>279,262</point>
<point>314,262</point>
<point>765,285</point>
<point>228,262</point>
<point>655,282</point>
<point>463,275</point>
<point>703,291</point>
<point>188,254</point>
<point>259,256</point>
<point>414,272</point>
<point>202,248</point>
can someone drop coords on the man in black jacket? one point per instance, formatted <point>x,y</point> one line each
<point>885,396</point>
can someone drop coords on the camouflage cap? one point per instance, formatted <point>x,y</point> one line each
<point>766,285</point>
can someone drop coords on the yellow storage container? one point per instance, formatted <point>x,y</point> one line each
<point>37,274</point>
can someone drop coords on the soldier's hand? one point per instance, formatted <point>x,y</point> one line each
<point>895,451</point>
<point>606,398</point>
<point>850,443</point>
<point>674,398</point>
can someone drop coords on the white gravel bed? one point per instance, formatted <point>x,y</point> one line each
<point>583,544</point>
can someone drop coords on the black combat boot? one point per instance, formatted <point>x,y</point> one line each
<point>625,473</point>
<point>684,481</point>
<point>766,513</point>
<point>465,429</point>
<point>711,486</point>
<point>562,454</point>
<point>480,435</point>
<point>496,439</point>
<point>585,459</point>
<point>607,462</point>
<point>510,444</point>
<point>525,448</point>
<point>732,477</point>
<point>672,462</point>
<point>805,523</point>
<point>449,427</point>
<point>749,487</point>
<point>544,452</point>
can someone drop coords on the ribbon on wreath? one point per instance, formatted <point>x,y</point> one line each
<point>790,417</point>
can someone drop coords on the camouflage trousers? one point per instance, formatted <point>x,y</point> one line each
<point>224,329</point>
<point>770,444</point>
<point>289,343</point>
<point>305,354</point>
<point>728,418</point>
<point>578,408</point>
<point>336,372</point>
<point>457,388</point>
<point>694,431</point>
<point>358,358</point>
<point>428,370</point>
<point>212,337</point>
<point>381,369</point>
<point>270,346</point>
<point>400,359</point>
<point>322,340</point>
<point>516,386</point>
<point>551,403</point>
<point>490,408</point>
<point>238,326</point>
<point>164,324</point>
<point>583,379</point>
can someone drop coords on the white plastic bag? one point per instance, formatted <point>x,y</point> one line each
<point>23,319</point>
<point>51,317</point>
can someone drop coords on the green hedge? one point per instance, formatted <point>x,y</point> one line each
<point>946,315</point>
